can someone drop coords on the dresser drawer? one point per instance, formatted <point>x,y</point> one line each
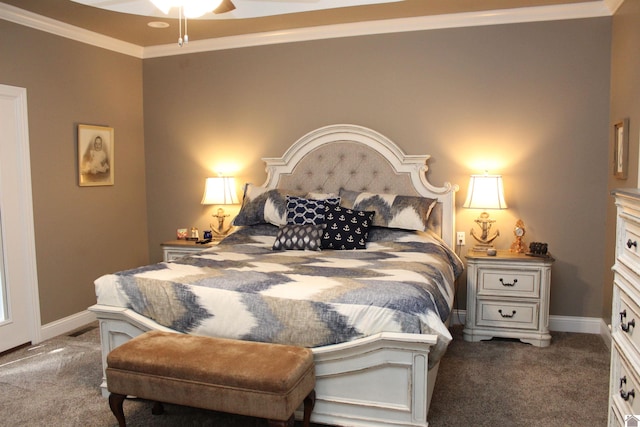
<point>628,242</point>
<point>626,387</point>
<point>519,282</point>
<point>509,314</point>
<point>627,321</point>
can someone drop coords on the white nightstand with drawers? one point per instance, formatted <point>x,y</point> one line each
<point>174,249</point>
<point>508,297</point>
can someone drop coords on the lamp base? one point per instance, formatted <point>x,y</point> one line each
<point>221,230</point>
<point>482,247</point>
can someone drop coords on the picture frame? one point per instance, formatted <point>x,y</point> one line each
<point>95,156</point>
<point>621,148</point>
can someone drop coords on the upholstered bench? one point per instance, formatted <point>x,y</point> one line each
<point>247,378</point>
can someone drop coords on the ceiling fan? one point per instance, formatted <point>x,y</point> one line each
<point>224,9</point>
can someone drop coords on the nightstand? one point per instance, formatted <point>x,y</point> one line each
<point>508,296</point>
<point>174,249</point>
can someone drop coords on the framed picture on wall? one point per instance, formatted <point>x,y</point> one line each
<point>95,155</point>
<point>621,148</point>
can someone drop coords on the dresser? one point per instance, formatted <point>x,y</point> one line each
<point>625,313</point>
<point>174,249</point>
<point>508,297</point>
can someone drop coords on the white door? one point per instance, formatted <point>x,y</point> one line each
<point>19,308</point>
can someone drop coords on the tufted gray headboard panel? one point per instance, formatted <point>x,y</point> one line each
<point>349,165</point>
<point>360,159</point>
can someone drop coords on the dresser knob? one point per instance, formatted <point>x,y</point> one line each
<point>628,394</point>
<point>627,326</point>
<point>623,314</point>
<point>632,244</point>
<point>508,284</point>
<point>505,315</point>
<point>623,381</point>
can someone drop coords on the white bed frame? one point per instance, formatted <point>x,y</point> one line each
<point>380,380</point>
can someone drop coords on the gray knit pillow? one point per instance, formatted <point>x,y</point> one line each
<point>299,237</point>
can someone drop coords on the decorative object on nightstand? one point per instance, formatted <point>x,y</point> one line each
<point>518,246</point>
<point>508,296</point>
<point>485,192</point>
<point>220,190</point>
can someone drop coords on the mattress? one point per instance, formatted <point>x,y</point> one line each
<point>243,289</point>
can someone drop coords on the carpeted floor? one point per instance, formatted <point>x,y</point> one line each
<point>491,383</point>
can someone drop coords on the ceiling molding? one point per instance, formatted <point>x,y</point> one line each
<point>42,23</point>
<point>470,19</point>
<point>589,9</point>
<point>613,5</point>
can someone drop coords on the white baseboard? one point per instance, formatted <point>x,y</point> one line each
<point>67,324</point>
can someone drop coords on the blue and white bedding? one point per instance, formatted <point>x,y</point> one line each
<point>242,289</point>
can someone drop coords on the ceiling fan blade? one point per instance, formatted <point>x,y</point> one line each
<point>225,6</point>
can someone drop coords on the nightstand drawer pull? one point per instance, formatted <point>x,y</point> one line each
<point>627,326</point>
<point>623,381</point>
<point>631,244</point>
<point>627,394</point>
<point>507,316</point>
<point>508,284</point>
<point>623,314</point>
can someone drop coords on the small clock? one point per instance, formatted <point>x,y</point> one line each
<point>518,245</point>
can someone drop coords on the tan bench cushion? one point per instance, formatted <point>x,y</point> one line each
<point>249,378</point>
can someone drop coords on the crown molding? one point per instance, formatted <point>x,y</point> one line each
<point>43,23</point>
<point>613,5</point>
<point>588,9</point>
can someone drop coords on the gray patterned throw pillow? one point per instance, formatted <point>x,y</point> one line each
<point>392,210</point>
<point>299,237</point>
<point>261,206</point>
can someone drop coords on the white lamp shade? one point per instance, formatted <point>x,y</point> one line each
<point>485,192</point>
<point>220,190</point>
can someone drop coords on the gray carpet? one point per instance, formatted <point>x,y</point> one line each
<point>491,383</point>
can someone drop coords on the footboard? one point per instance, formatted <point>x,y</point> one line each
<point>381,380</point>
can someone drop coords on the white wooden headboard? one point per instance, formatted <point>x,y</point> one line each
<point>360,159</point>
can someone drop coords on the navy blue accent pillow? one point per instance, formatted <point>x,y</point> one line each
<point>346,228</point>
<point>302,211</point>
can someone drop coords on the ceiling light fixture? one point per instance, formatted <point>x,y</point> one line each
<point>188,9</point>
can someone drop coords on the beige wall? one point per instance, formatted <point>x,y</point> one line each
<point>625,102</point>
<point>529,101</point>
<point>80,233</point>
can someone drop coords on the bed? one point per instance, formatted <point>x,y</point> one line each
<point>375,315</point>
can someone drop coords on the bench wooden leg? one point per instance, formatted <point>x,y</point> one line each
<point>277,423</point>
<point>115,403</point>
<point>309,403</point>
<point>158,408</point>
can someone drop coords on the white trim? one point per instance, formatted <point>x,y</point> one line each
<point>49,25</point>
<point>420,23</point>
<point>67,324</point>
<point>589,9</point>
<point>583,325</point>
<point>29,268</point>
<point>613,5</point>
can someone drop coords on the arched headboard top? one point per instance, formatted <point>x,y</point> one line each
<point>360,159</point>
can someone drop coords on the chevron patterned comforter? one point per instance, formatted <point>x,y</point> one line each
<point>242,289</point>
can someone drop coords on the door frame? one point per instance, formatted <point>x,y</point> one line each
<point>25,206</point>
